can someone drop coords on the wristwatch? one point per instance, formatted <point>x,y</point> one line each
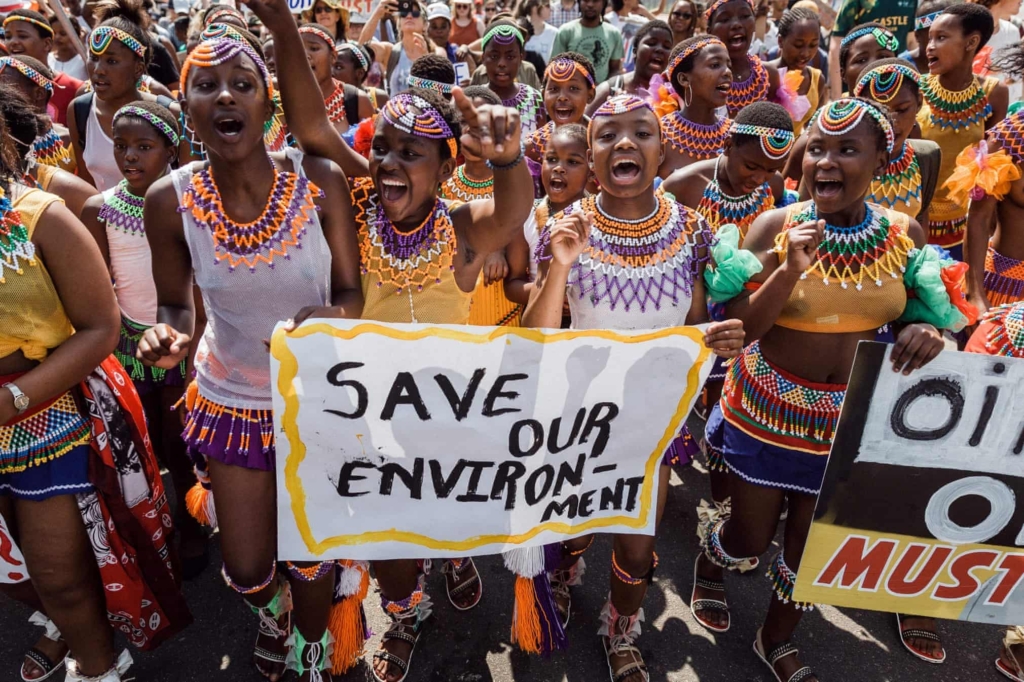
<point>20,399</point>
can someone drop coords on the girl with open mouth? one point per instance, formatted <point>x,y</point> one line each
<point>419,259</point>
<point>812,281</point>
<point>503,54</point>
<point>628,258</point>
<point>700,76</point>
<point>732,21</point>
<point>652,46</point>
<point>802,87</point>
<point>568,89</point>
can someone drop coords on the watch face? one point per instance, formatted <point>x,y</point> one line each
<point>21,402</point>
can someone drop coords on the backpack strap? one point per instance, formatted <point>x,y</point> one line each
<point>351,102</point>
<point>81,107</point>
<point>164,101</point>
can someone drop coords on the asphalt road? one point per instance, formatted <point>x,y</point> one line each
<point>841,644</point>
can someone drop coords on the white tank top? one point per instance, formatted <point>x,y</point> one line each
<point>242,306</point>
<point>131,263</point>
<point>400,75</point>
<point>98,155</point>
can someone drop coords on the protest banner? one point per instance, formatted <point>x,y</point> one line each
<point>12,563</point>
<point>918,511</point>
<point>445,441</point>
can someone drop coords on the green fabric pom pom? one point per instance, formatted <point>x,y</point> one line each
<point>932,305</point>
<point>732,266</point>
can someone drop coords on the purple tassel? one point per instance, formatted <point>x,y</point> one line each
<point>552,637</point>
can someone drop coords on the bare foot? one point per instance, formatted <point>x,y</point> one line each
<point>709,576</point>
<point>55,651</point>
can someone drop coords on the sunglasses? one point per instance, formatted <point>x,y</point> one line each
<point>683,15</point>
<point>414,13</point>
<point>323,9</point>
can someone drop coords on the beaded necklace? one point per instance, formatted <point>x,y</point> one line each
<point>51,151</point>
<point>718,208</point>
<point>529,103</point>
<point>538,140</point>
<point>901,183</point>
<point>15,246</point>
<point>652,261</point>
<point>460,187</point>
<point>1007,335</point>
<point>695,139</point>
<point>281,225</point>
<point>123,211</point>
<point>849,254</point>
<point>1010,134</point>
<point>754,89</point>
<point>956,110</point>
<point>335,104</point>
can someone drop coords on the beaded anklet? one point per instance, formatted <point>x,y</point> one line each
<point>784,581</point>
<point>622,576</point>
<point>310,574</point>
<point>240,589</point>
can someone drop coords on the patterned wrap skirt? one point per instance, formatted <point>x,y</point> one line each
<point>230,435</point>
<point>1004,278</point>
<point>146,379</point>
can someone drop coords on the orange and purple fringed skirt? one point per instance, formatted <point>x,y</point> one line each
<point>230,435</point>
<point>773,428</point>
<point>1004,278</point>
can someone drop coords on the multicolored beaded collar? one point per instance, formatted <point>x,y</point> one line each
<point>956,110</point>
<point>692,48</point>
<point>123,211</point>
<point>149,117</point>
<point>538,140</point>
<point>718,208</point>
<point>561,69</point>
<point>775,142</point>
<point>11,18</point>
<point>356,52</point>
<point>900,186</point>
<point>529,103</point>
<point>754,89</point>
<point>318,31</point>
<point>503,34</point>
<point>428,123</point>
<point>50,150</point>
<point>843,115</point>
<point>459,187</point>
<point>281,226</point>
<point>101,38</point>
<point>695,139</point>
<point>335,104</point>
<point>16,248</point>
<point>1007,336</point>
<point>426,84</point>
<point>883,83</point>
<point>885,38</point>
<point>1009,133</point>
<point>921,23</point>
<point>214,52</point>
<point>26,71</point>
<point>713,7</point>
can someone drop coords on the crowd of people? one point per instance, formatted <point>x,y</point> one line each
<point>176,180</point>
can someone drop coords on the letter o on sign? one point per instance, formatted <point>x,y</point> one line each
<point>999,496</point>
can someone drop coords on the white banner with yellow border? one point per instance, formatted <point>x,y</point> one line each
<point>409,441</point>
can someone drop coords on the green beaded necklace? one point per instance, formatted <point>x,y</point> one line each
<point>15,246</point>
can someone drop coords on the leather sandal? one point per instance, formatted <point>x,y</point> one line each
<point>914,633</point>
<point>776,654</point>
<point>37,657</point>
<point>708,604</point>
<point>405,632</point>
<point>457,582</point>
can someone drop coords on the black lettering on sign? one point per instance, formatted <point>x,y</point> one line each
<point>443,486</point>
<point>991,395</point>
<point>570,474</point>
<point>515,439</point>
<point>611,498</point>
<point>566,508</point>
<point>413,480</point>
<point>460,405</point>
<point>334,378</point>
<point>496,392</point>
<point>553,446</point>
<point>600,418</point>
<point>404,392</point>
<point>533,494</point>
<point>942,387</point>
<point>586,507</point>
<point>471,494</point>
<point>508,474</point>
<point>633,487</point>
<point>348,475</point>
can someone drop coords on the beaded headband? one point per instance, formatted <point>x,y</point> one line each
<point>319,32</point>
<point>713,7</point>
<point>883,83</point>
<point>696,46</point>
<point>27,71</point>
<point>775,142</point>
<point>222,11</point>
<point>428,123</point>
<point>360,57</point>
<point>621,104</point>
<point>562,69</point>
<point>151,118</point>
<point>219,30</point>
<point>427,84</point>
<point>29,20</point>
<point>926,21</point>
<point>101,38</point>
<point>213,52</point>
<point>843,115</point>
<point>503,34</point>
<point>886,40</point>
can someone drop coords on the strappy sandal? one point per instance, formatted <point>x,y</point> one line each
<point>562,582</point>
<point>914,633</point>
<point>776,654</point>
<point>405,632</point>
<point>271,629</point>
<point>462,583</point>
<point>1007,671</point>
<point>619,634</point>
<point>37,657</point>
<point>708,604</point>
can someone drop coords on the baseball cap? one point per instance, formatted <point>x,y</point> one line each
<point>438,10</point>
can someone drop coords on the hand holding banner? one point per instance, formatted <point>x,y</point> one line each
<point>402,441</point>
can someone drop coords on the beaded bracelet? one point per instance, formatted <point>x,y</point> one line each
<point>508,166</point>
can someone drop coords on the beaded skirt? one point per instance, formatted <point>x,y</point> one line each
<point>233,436</point>
<point>1004,278</point>
<point>146,379</point>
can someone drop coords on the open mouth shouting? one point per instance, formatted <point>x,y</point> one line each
<point>229,127</point>
<point>626,170</point>
<point>827,188</point>
<point>738,42</point>
<point>391,189</point>
<point>557,185</point>
<point>563,113</point>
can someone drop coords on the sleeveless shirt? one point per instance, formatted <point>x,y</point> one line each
<point>131,264</point>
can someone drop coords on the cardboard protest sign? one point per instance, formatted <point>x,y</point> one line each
<point>12,563</point>
<point>918,510</point>
<point>444,441</point>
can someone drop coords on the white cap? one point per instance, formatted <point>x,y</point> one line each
<point>438,10</point>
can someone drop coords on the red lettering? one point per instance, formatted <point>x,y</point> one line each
<point>960,570</point>
<point>1012,566</point>
<point>900,583</point>
<point>7,548</point>
<point>855,563</point>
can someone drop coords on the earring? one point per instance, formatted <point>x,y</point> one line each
<point>195,145</point>
<point>685,91</point>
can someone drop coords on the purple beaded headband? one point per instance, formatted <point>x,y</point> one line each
<point>213,52</point>
<point>562,69</point>
<point>620,104</point>
<point>696,46</point>
<point>149,117</point>
<point>427,123</point>
<point>713,7</point>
